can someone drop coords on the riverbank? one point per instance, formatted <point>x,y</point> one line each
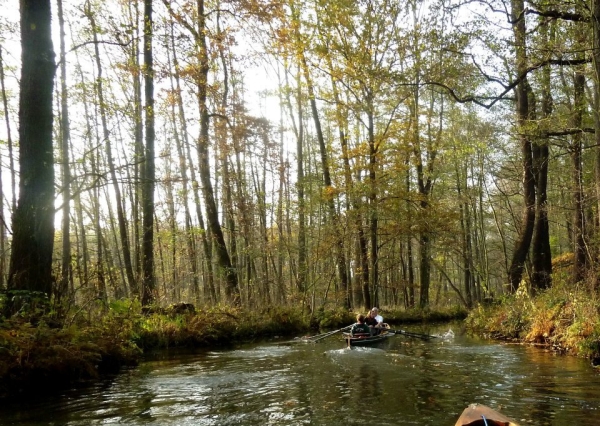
<point>41,354</point>
<point>565,318</point>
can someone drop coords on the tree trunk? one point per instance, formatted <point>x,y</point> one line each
<point>13,174</point>
<point>3,220</point>
<point>90,147</point>
<point>302,267</point>
<point>409,250</point>
<point>183,168</point>
<point>541,254</point>
<point>138,150</point>
<point>333,216</point>
<point>465,237</point>
<point>66,269</point>
<point>212,216</point>
<point>373,215</point>
<point>579,244</point>
<point>109,157</point>
<point>361,267</point>
<point>33,220</point>
<point>523,240</point>
<point>221,137</point>
<point>148,279</point>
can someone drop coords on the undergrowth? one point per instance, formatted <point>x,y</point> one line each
<point>564,317</point>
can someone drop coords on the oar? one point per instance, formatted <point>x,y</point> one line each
<point>411,334</point>
<point>324,335</point>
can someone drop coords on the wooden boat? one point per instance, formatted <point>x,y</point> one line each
<point>366,339</point>
<point>481,415</point>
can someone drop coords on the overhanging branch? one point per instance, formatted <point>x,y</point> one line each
<point>479,100</point>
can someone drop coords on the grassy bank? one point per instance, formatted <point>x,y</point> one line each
<point>564,317</point>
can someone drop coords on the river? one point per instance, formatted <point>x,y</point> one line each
<point>403,381</point>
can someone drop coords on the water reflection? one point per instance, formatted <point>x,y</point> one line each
<point>404,381</point>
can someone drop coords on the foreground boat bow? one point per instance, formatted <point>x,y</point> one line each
<point>481,415</point>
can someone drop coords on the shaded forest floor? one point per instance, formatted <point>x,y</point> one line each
<point>38,353</point>
<point>565,318</point>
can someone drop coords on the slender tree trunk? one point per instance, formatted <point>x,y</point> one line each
<point>300,270</point>
<point>361,268</point>
<point>482,246</point>
<point>66,269</point>
<point>109,157</point>
<point>173,232</point>
<point>163,277</point>
<point>373,215</point>
<point>139,149</point>
<point>221,135</point>
<point>424,187</point>
<point>333,216</point>
<point>280,196</point>
<point>210,291</point>
<point>3,220</point>
<point>95,213</point>
<point>33,220</point>
<point>579,244</point>
<point>465,237</point>
<point>409,250</point>
<point>232,290</point>
<point>148,279</point>
<point>121,290</point>
<point>189,235</point>
<point>8,139</point>
<point>302,267</point>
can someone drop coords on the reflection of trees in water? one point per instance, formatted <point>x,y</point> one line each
<point>539,379</point>
<point>347,390</point>
<point>547,381</point>
<point>425,390</point>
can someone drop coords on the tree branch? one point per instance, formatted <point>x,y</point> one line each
<point>478,99</point>
<point>556,14</point>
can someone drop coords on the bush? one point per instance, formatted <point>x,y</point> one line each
<point>332,318</point>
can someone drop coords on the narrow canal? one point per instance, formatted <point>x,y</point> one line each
<point>401,382</point>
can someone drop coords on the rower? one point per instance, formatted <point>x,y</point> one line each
<point>360,327</point>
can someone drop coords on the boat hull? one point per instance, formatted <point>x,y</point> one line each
<point>366,340</point>
<point>477,414</point>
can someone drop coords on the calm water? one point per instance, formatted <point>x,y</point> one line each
<point>403,381</point>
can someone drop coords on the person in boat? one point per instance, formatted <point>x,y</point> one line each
<point>378,317</point>
<point>374,320</point>
<point>360,327</point>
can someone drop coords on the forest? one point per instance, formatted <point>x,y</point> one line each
<point>312,154</point>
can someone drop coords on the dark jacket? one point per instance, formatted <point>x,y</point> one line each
<point>360,328</point>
